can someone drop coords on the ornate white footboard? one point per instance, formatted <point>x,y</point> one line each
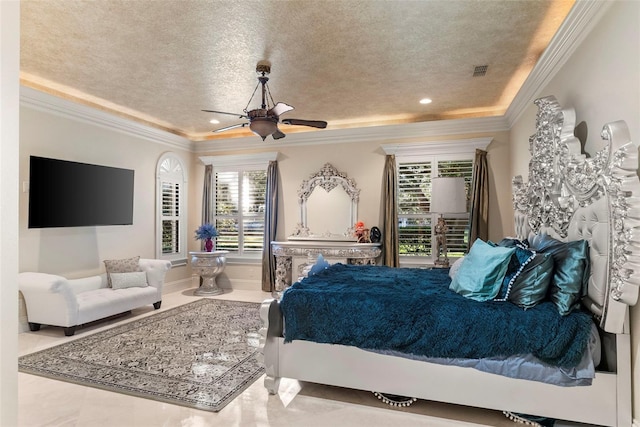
<point>606,402</point>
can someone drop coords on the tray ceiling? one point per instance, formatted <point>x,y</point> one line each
<point>351,63</point>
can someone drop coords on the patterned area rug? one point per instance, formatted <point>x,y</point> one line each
<point>202,355</point>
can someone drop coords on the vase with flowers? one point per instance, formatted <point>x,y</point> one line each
<point>207,232</point>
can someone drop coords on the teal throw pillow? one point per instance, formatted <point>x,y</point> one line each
<point>511,242</point>
<point>528,276</point>
<point>319,266</point>
<point>571,270</point>
<point>532,284</point>
<point>480,275</point>
<point>520,258</point>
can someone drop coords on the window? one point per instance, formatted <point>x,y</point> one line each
<point>415,231</point>
<point>170,207</point>
<point>416,166</point>
<point>239,209</point>
<point>238,202</point>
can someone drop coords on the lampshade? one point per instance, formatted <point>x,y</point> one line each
<point>263,126</point>
<point>448,195</point>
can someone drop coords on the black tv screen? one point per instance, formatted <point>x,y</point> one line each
<point>72,194</point>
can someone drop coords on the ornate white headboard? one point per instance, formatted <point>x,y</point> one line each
<point>597,199</point>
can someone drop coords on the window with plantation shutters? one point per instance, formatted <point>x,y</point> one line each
<point>239,209</point>
<point>171,218</point>
<point>414,216</point>
<point>415,219</point>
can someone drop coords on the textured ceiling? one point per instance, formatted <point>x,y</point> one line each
<point>351,63</point>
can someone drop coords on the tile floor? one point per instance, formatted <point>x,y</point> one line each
<point>45,402</point>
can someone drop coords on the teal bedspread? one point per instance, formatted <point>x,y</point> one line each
<point>413,311</point>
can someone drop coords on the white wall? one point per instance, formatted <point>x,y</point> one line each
<point>78,251</point>
<point>9,112</point>
<point>601,80</point>
<point>362,161</point>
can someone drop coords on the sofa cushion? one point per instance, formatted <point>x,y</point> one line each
<point>85,284</point>
<point>134,279</point>
<point>94,305</point>
<point>126,265</point>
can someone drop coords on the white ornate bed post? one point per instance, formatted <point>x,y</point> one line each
<point>625,193</point>
<point>271,329</point>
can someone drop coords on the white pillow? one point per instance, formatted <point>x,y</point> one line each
<point>135,279</point>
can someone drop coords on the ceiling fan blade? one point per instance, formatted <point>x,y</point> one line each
<point>313,123</point>
<point>241,116</point>
<point>280,108</point>
<point>239,125</point>
<point>278,134</point>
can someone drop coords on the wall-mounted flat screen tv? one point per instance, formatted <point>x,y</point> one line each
<point>72,194</point>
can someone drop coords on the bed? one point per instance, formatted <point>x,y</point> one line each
<point>568,196</point>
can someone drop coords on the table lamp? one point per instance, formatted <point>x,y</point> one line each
<point>448,196</point>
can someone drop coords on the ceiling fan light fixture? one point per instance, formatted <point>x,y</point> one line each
<point>264,121</point>
<point>263,126</point>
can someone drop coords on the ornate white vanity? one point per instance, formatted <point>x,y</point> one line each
<point>328,202</point>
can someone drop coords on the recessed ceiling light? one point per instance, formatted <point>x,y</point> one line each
<point>425,101</point>
<point>214,121</point>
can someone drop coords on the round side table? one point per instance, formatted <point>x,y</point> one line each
<point>208,265</point>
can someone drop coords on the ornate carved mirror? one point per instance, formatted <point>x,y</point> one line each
<point>328,206</point>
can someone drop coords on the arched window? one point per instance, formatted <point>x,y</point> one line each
<point>171,215</point>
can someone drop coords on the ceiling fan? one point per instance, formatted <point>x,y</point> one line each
<point>264,121</point>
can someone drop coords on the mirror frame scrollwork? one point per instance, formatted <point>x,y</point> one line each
<point>328,178</point>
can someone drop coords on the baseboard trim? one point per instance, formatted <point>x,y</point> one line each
<point>176,286</point>
<point>240,284</point>
<point>23,324</point>
<point>635,423</point>
<point>222,281</point>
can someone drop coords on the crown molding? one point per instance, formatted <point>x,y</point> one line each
<point>37,100</point>
<point>582,18</point>
<point>373,134</point>
<point>42,101</point>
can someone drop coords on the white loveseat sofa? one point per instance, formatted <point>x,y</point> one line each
<point>55,300</point>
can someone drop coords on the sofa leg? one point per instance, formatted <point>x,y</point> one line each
<point>34,326</point>
<point>69,331</point>
<point>156,305</point>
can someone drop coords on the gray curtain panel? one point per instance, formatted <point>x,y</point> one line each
<point>270,228</point>
<point>390,251</point>
<point>207,198</point>
<point>479,216</point>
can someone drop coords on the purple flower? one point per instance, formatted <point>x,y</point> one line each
<point>206,231</point>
